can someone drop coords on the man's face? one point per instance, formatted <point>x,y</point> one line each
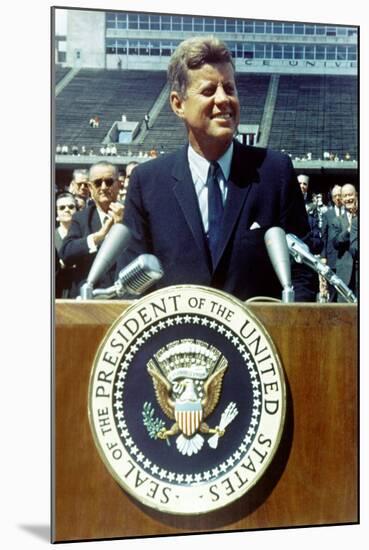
<point>81,186</point>
<point>336,196</point>
<point>65,208</point>
<point>303,186</point>
<point>104,186</point>
<point>349,197</point>
<point>210,110</point>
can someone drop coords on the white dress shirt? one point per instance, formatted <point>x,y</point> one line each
<point>199,168</point>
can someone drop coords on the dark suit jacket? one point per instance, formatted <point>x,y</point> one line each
<point>345,242</point>
<point>328,232</point>
<point>74,250</point>
<point>163,213</point>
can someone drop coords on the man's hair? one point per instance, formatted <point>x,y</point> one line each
<point>193,54</point>
<point>80,172</point>
<point>104,164</point>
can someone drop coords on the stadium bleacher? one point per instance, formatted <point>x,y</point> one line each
<point>315,113</point>
<point>312,113</point>
<point>107,94</point>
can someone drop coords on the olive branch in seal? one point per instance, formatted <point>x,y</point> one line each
<point>153,425</point>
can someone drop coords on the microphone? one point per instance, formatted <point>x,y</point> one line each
<point>276,245</point>
<point>115,241</point>
<point>301,254</point>
<point>135,278</point>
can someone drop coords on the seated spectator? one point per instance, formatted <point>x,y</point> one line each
<point>58,149</point>
<point>90,226</point>
<point>75,150</point>
<point>65,209</point>
<point>94,122</point>
<point>65,149</point>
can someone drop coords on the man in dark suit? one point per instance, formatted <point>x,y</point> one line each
<point>90,226</point>
<point>329,218</point>
<point>205,221</point>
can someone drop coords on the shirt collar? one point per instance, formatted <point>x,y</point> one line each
<point>199,166</point>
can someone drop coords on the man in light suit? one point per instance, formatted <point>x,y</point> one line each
<point>90,226</point>
<point>206,222</point>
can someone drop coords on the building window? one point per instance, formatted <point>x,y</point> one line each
<point>177,23</point>
<point>259,27</point>
<point>111,21</point>
<point>187,24</point>
<point>219,25</point>
<point>299,28</point>
<point>287,51</point>
<point>299,52</point>
<point>331,31</point>
<point>248,51</point>
<point>198,24</point>
<point>166,48</point>
<point>309,29</point>
<point>259,51</point>
<point>331,52</point>
<point>277,28</point>
<point>165,23</point>
<point>155,22</point>
<point>132,21</point>
<point>277,51</point>
<point>309,52</point>
<point>248,26</point>
<point>144,48</point>
<point>320,52</point>
<point>144,22</point>
<point>209,24</point>
<point>111,46</point>
<point>230,25</point>
<point>239,25</point>
<point>268,51</point>
<point>133,48</point>
<point>288,28</point>
<point>351,53</point>
<point>341,53</point>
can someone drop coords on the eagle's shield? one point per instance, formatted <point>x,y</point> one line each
<point>188,416</point>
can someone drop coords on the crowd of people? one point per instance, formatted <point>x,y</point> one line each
<point>334,234</point>
<point>204,210</point>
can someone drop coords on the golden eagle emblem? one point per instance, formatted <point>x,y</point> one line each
<point>187,376</point>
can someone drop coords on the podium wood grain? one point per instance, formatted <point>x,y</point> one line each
<point>311,481</point>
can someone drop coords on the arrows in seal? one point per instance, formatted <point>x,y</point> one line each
<point>187,376</point>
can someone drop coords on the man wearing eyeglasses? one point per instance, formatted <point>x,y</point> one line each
<point>90,226</point>
<point>79,184</point>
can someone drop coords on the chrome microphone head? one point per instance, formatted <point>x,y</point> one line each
<point>140,274</point>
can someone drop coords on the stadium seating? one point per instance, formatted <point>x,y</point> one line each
<point>315,113</point>
<point>107,94</point>
<point>312,113</point>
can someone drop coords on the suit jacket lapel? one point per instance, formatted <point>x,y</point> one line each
<point>185,193</point>
<point>243,174</point>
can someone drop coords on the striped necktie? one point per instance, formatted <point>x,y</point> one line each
<point>215,208</point>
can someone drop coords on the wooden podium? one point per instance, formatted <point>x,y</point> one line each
<point>313,479</point>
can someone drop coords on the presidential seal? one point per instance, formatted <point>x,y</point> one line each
<point>187,400</point>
